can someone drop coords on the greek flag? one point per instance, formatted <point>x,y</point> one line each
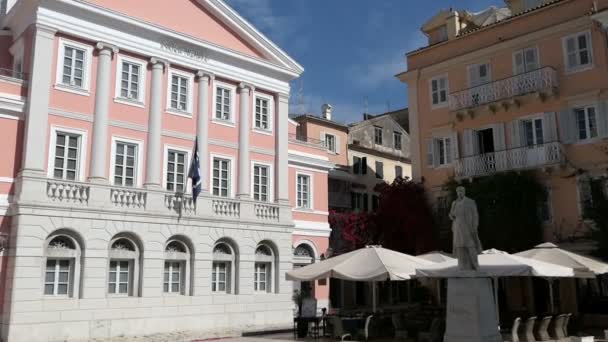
<point>195,173</point>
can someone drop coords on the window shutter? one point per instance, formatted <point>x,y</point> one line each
<point>455,146</point>
<point>549,127</point>
<point>531,59</point>
<point>430,149</point>
<point>567,126</point>
<point>356,165</point>
<point>322,138</point>
<point>469,135</point>
<point>571,52</point>
<point>337,144</point>
<point>602,120</point>
<point>514,133</point>
<point>364,165</point>
<point>473,75</point>
<point>436,154</point>
<point>518,62</point>
<point>448,150</point>
<point>499,136</point>
<point>365,205</point>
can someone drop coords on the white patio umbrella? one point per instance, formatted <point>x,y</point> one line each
<point>584,267</point>
<point>372,263</point>
<point>495,264</point>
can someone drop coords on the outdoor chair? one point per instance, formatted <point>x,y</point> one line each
<point>558,327</point>
<point>529,330</point>
<point>365,332</point>
<point>566,323</point>
<point>513,336</point>
<point>434,334</point>
<point>338,329</point>
<point>399,326</point>
<point>543,334</point>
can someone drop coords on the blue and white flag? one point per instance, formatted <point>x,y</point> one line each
<point>195,173</point>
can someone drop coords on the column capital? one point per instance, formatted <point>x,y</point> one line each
<point>246,87</point>
<point>283,97</point>
<point>106,46</point>
<point>205,76</point>
<point>45,30</point>
<point>160,62</point>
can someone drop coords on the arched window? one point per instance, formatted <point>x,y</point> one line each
<point>124,266</point>
<point>176,274</point>
<point>303,254</point>
<point>63,265</point>
<point>224,269</point>
<point>264,266</point>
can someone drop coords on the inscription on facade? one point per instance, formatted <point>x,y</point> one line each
<point>183,50</point>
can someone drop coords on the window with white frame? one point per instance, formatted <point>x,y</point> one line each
<point>73,66</point>
<point>439,91</point>
<point>177,262</point>
<point>398,171</point>
<point>525,60</point>
<point>359,201</point>
<point>440,151</point>
<point>262,113</point>
<point>264,264</point>
<point>378,135</point>
<point>176,170</point>
<point>123,268</point>
<point>379,170</point>
<point>303,191</point>
<point>221,177</point>
<point>533,131</point>
<point>62,270</point>
<point>179,95</point>
<point>261,182</point>
<point>397,140</point>
<point>222,271</point>
<point>586,122</point>
<point>330,142</point>
<point>67,156</point>
<point>57,277</point>
<point>125,163</point>
<point>131,80</point>
<point>578,51</point>
<point>223,103</point>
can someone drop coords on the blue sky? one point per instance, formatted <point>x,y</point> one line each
<point>350,49</point>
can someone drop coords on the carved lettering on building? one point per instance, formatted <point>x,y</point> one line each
<point>183,50</point>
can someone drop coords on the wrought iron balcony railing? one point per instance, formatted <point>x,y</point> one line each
<point>306,140</point>
<point>539,80</point>
<point>521,158</point>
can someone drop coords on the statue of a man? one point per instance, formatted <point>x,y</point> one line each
<point>466,246</point>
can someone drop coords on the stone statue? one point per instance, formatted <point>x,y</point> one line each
<point>466,246</point>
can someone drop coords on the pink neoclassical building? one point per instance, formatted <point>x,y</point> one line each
<point>101,103</point>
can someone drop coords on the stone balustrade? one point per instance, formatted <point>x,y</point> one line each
<point>62,191</point>
<point>127,198</point>
<point>226,208</point>
<point>266,211</point>
<point>181,204</point>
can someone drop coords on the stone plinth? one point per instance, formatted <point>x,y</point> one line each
<point>471,311</point>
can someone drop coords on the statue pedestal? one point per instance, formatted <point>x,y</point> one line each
<point>471,311</point>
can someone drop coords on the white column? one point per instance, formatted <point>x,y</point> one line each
<point>281,136</point>
<point>39,86</point>
<point>202,125</point>
<point>99,146</point>
<point>154,151</point>
<point>244,129</point>
<point>411,79</point>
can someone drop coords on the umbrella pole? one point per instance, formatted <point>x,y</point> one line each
<point>496,300</point>
<point>373,296</point>
<point>438,283</point>
<point>551,308</point>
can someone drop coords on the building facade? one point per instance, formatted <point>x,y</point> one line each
<point>101,105</point>
<point>515,88</point>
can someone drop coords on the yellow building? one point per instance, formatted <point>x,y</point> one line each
<point>523,87</point>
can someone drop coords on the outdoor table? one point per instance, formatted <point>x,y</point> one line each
<point>317,321</point>
<point>352,325</point>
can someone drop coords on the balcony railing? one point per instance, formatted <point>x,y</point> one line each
<point>539,80</point>
<point>521,158</point>
<point>306,140</point>
<point>13,74</point>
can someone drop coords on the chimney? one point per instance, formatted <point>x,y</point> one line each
<point>326,111</point>
<point>453,25</point>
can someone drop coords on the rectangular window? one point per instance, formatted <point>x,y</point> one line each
<point>444,148</point>
<point>125,164</point>
<point>357,165</point>
<point>533,132</point>
<point>479,74</point>
<point>439,91</point>
<point>525,60</point>
<point>379,170</point>
<point>303,192</point>
<point>223,103</point>
<point>261,183</point>
<point>118,280</point>
<point>378,135</point>
<point>73,66</point>
<point>586,123</point>
<point>172,277</point>
<point>130,81</point>
<point>260,277</point>
<point>397,141</point>
<point>578,51</point>
<point>359,201</point>
<point>179,93</point>
<point>57,277</point>
<point>262,114</point>
<point>398,171</point>
<point>221,177</point>
<point>544,210</point>
<point>176,171</point>
<point>67,155</point>
<point>219,276</point>
<point>330,142</point>
<point>375,202</point>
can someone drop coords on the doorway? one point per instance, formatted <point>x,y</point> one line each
<point>485,139</point>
